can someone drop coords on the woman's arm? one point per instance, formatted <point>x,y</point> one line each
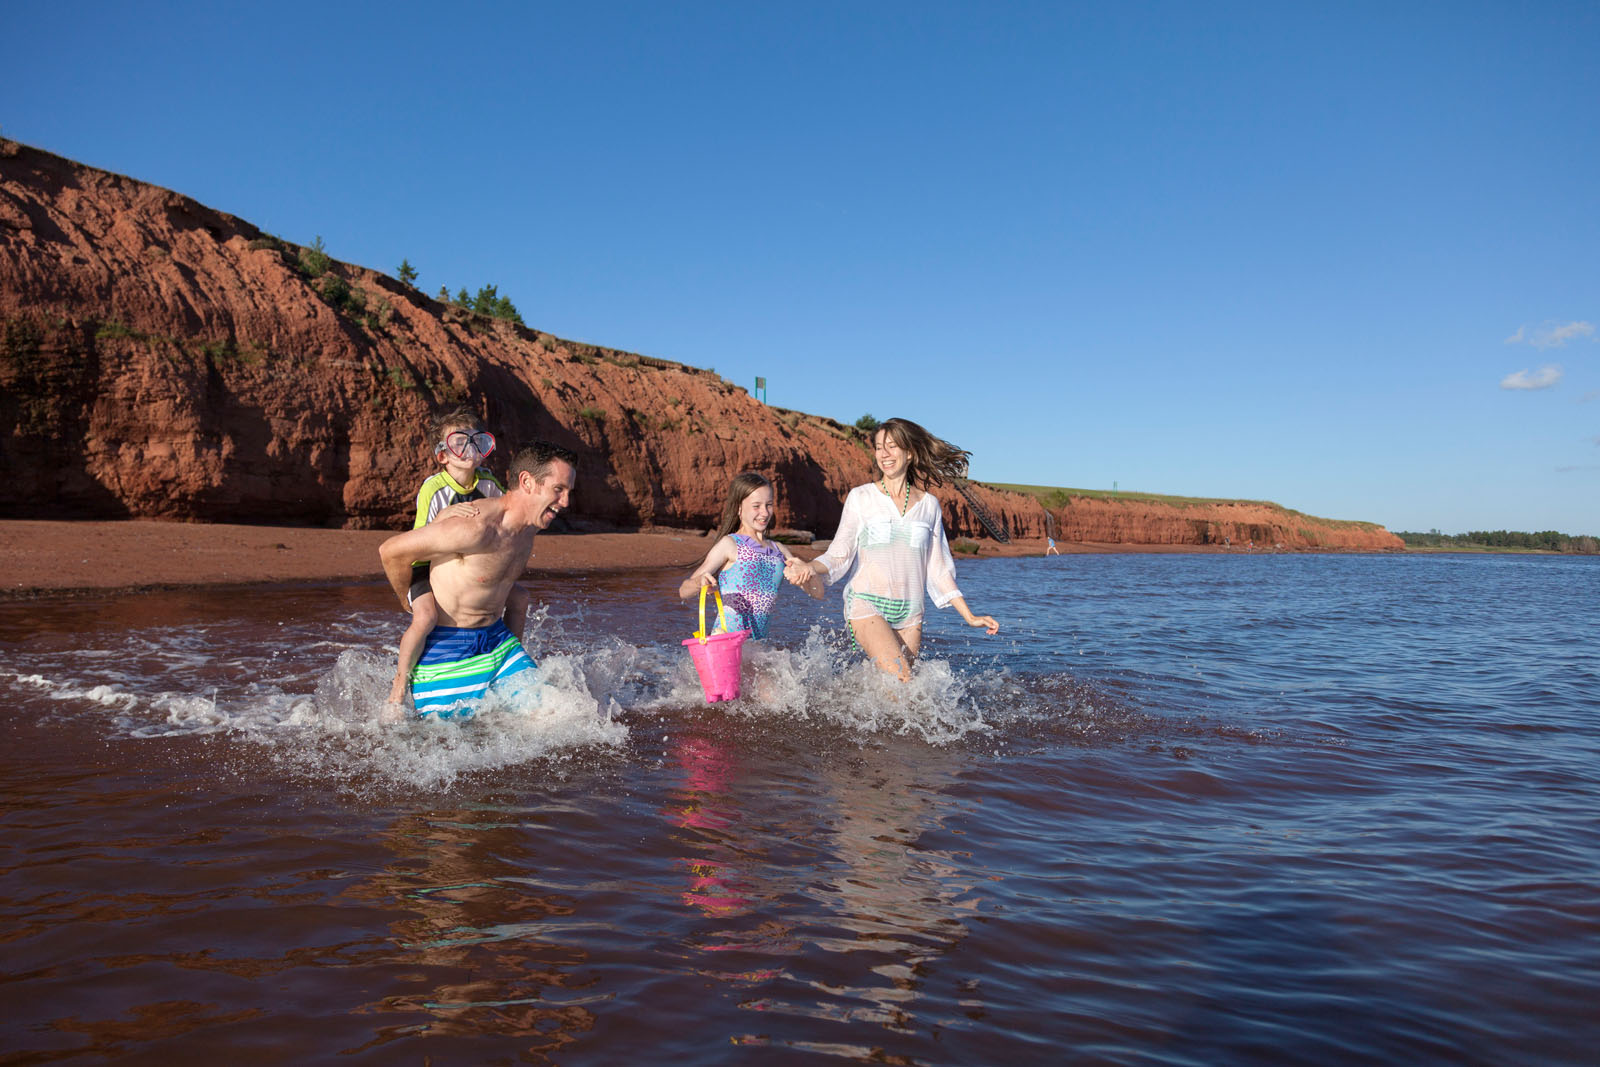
<point>942,577</point>
<point>722,553</point>
<point>941,583</point>
<point>835,563</point>
<point>985,621</point>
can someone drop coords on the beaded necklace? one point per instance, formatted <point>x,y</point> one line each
<point>907,505</point>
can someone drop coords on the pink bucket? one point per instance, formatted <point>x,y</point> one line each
<point>717,660</point>
<point>717,657</point>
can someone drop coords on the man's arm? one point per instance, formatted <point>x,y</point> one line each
<point>445,537</point>
<point>519,603</point>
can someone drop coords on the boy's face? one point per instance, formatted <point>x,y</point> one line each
<point>461,462</point>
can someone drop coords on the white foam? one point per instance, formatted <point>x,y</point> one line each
<point>821,681</point>
<point>312,696</point>
<point>62,690</point>
<point>543,713</point>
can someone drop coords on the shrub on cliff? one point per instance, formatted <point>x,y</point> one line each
<point>314,260</point>
<point>336,291</point>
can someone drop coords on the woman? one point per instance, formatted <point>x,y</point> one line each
<point>891,543</point>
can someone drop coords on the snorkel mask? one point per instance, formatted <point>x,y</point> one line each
<point>462,443</point>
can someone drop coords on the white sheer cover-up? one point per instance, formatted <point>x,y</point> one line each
<point>889,555</point>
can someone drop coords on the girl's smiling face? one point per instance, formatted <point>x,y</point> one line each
<point>755,514</point>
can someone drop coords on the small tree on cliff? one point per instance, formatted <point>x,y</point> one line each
<point>314,259</point>
<point>488,301</point>
<point>407,272</point>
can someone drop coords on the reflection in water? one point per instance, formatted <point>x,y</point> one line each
<point>906,905</point>
<point>476,947</point>
<point>714,881</point>
<point>728,876</point>
<point>1221,814</point>
<point>817,896</point>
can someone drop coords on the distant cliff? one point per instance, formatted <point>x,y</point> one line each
<point>162,359</point>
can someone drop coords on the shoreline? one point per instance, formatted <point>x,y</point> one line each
<point>42,558</point>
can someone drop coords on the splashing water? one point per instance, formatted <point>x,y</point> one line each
<point>308,691</point>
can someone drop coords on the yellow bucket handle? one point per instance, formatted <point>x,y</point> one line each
<point>701,633</point>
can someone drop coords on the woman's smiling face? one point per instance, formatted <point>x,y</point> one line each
<point>890,457</point>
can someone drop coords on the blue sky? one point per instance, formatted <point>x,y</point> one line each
<point>1342,257</point>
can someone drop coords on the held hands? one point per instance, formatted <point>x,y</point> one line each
<point>798,572</point>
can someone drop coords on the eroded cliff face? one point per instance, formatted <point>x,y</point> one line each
<point>161,359</point>
<point>1131,522</point>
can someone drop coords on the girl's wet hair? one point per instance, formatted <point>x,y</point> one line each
<point>934,460</point>
<point>742,486</point>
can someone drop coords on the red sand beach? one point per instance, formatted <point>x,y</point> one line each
<point>40,558</point>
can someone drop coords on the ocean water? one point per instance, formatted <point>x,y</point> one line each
<point>1183,809</point>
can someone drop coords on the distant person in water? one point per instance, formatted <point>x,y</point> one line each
<point>475,561</point>
<point>745,564</point>
<point>891,544</point>
<point>460,447</point>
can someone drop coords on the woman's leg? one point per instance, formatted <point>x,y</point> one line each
<point>885,645</point>
<point>911,636</point>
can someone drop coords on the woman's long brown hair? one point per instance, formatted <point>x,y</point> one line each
<point>934,460</point>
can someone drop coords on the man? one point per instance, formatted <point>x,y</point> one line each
<point>475,561</point>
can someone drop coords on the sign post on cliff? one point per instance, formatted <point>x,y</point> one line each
<point>761,390</point>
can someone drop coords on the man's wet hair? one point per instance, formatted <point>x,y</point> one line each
<point>536,459</point>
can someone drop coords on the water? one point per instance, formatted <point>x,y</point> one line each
<point>1183,810</point>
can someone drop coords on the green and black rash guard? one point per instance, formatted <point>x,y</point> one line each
<point>441,490</point>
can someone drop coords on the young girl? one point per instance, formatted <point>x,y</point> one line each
<point>891,542</point>
<point>745,565</point>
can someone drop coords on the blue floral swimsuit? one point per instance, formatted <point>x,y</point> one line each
<point>750,585</point>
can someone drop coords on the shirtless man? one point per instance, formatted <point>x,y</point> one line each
<point>475,560</point>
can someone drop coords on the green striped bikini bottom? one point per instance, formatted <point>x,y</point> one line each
<point>895,612</point>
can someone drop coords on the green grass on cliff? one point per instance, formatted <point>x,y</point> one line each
<point>1057,496</point>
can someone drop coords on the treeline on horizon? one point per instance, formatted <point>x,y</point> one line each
<point>1542,541</point>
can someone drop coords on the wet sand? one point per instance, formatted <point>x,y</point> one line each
<point>44,557</point>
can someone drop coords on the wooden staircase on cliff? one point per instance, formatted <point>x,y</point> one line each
<point>996,529</point>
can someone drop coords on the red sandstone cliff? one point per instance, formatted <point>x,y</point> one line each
<point>1141,522</point>
<point>162,359</point>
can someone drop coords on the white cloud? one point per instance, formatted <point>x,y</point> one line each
<point>1543,378</point>
<point>1552,334</point>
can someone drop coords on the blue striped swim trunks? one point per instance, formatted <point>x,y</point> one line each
<point>459,665</point>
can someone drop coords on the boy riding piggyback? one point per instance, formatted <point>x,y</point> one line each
<point>460,447</point>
